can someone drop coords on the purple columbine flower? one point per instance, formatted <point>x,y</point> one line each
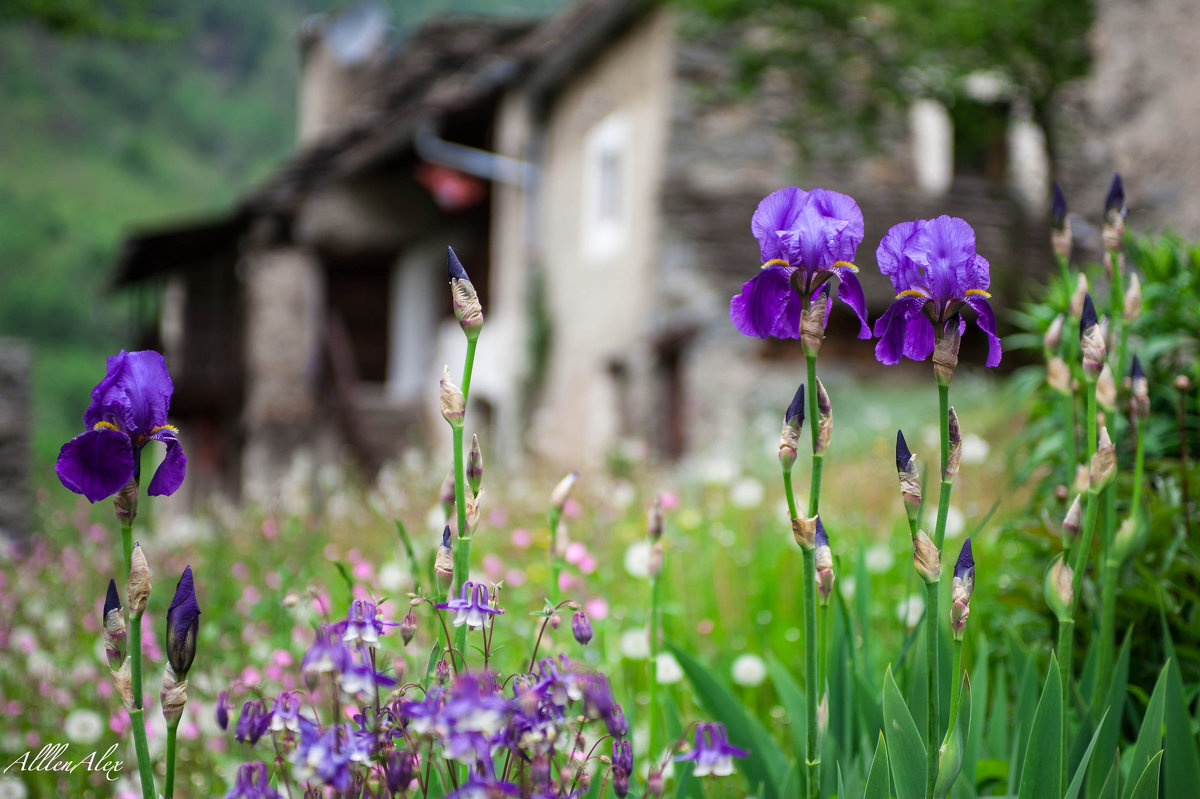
<point>252,723</point>
<point>362,624</point>
<point>713,754</point>
<point>581,628</point>
<point>183,621</point>
<point>128,410</point>
<point>935,270</point>
<point>285,713</point>
<point>622,755</point>
<point>471,606</point>
<point>321,755</point>
<point>327,655</point>
<point>362,678</point>
<point>804,239</point>
<point>253,782</point>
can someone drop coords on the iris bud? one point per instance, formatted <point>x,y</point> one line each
<point>453,405</point>
<point>474,465</point>
<point>824,418</point>
<point>114,628</point>
<point>1058,586</point>
<point>926,558</point>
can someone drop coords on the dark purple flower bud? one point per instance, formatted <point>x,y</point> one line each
<point>655,519</point>
<point>1091,340</point>
<point>114,628</point>
<point>795,411</point>
<point>1058,211</point>
<point>454,267</point>
<point>443,561</point>
<point>474,465</point>
<point>183,621</point>
<point>581,628</point>
<point>400,769</point>
<point>467,309</point>
<point>1115,201</point>
<point>622,756</point>
<point>252,723</point>
<point>789,438</point>
<point>223,710</point>
<point>442,671</point>
<point>962,587</point>
<point>616,723</point>
<point>903,454</point>
<point>408,627</point>
<point>620,783</point>
<point>823,559</point>
<point>1088,316</point>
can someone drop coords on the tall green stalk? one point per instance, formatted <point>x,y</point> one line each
<point>169,790</point>
<point>655,617</point>
<point>809,586</point>
<point>932,633</point>
<point>462,552</point>
<point>137,716</point>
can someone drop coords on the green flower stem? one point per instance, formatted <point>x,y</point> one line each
<point>137,718</point>
<point>655,618</point>
<point>462,552</point>
<point>822,648</point>
<point>1108,615</point>
<point>809,587</point>
<point>931,602</point>
<point>818,458</point>
<point>1139,463</point>
<point>931,657</point>
<point>1091,418</point>
<point>1066,631</point>
<point>552,555</point>
<point>1068,414</point>
<point>812,753</point>
<point>1065,268</point>
<point>170,787</point>
<point>956,679</point>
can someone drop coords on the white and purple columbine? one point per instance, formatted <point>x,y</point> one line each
<point>805,238</point>
<point>712,752</point>
<point>936,272</point>
<point>362,624</point>
<point>471,606</point>
<point>253,782</point>
<point>128,411</point>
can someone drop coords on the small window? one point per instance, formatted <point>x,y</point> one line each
<point>605,206</point>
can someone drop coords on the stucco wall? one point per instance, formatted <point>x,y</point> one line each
<point>601,293</point>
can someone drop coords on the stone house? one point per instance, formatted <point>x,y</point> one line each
<point>598,193</point>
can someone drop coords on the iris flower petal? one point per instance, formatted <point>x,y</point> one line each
<point>776,212</point>
<point>97,463</point>
<point>986,319</point>
<point>763,303</point>
<point>893,258</point>
<point>891,329</point>
<point>850,292</point>
<point>170,473</point>
<point>135,393</point>
<point>835,205</point>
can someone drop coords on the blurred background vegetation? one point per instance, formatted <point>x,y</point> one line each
<point>120,114</point>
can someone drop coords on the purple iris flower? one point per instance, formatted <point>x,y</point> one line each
<point>471,605</point>
<point>253,782</point>
<point>935,270</point>
<point>713,754</point>
<point>183,621</point>
<point>128,410</point>
<point>804,239</point>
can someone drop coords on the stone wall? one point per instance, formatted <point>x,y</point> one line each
<point>15,426</point>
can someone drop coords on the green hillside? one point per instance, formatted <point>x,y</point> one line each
<point>101,134</point>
